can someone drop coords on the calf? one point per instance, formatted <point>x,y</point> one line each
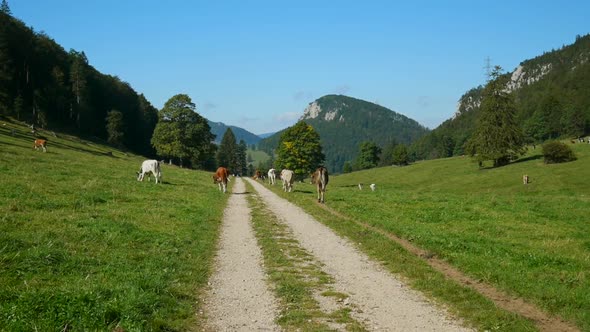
<point>220,178</point>
<point>288,178</point>
<point>257,175</point>
<point>320,179</point>
<point>272,176</point>
<point>150,167</point>
<point>40,143</point>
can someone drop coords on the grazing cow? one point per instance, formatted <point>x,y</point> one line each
<point>272,176</point>
<point>372,187</point>
<point>525,179</point>
<point>320,179</point>
<point>257,175</point>
<point>40,143</point>
<point>221,177</point>
<point>150,167</point>
<point>360,186</point>
<point>288,178</point>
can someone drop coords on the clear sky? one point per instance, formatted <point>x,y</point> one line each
<point>258,64</point>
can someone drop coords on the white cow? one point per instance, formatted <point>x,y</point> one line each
<point>288,178</point>
<point>150,167</point>
<point>272,175</point>
<point>372,187</point>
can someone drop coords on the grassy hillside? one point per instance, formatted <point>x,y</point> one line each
<point>531,241</point>
<point>85,246</point>
<point>258,156</point>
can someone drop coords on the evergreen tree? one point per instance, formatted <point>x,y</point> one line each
<point>115,128</point>
<point>497,136</point>
<point>181,132</point>
<point>368,155</point>
<point>300,150</point>
<point>226,154</point>
<point>347,168</point>
<point>241,163</point>
<point>4,8</point>
<point>400,155</point>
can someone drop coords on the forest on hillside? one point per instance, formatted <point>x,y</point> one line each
<point>552,101</point>
<point>45,85</point>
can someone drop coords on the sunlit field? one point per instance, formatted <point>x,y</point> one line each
<point>530,241</point>
<point>85,246</point>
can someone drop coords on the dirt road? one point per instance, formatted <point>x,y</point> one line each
<point>382,302</point>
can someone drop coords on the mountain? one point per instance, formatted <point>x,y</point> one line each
<point>266,135</point>
<point>344,122</point>
<point>552,101</point>
<point>219,128</point>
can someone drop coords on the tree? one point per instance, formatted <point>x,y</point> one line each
<point>400,155</point>
<point>181,132</point>
<point>226,154</point>
<point>300,150</point>
<point>347,168</point>
<point>497,136</point>
<point>368,155</point>
<point>115,128</point>
<point>241,164</point>
<point>4,8</point>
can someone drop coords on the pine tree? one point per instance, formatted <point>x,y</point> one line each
<point>400,156</point>
<point>226,154</point>
<point>4,8</point>
<point>300,150</point>
<point>497,136</point>
<point>368,155</point>
<point>242,165</point>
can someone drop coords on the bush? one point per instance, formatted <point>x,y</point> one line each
<point>557,152</point>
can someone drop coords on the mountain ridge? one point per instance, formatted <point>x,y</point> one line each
<point>332,116</point>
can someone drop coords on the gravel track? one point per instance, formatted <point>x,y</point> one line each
<point>382,302</point>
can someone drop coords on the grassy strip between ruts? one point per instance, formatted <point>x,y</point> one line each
<point>298,280</point>
<point>472,307</point>
<point>84,246</point>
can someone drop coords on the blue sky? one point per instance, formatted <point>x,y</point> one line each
<point>258,64</point>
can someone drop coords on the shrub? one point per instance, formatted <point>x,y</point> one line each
<point>557,152</point>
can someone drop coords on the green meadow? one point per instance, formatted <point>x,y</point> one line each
<point>530,241</point>
<point>85,246</point>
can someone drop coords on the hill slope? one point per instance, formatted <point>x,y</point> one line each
<point>219,128</point>
<point>85,246</point>
<point>344,122</point>
<point>552,100</point>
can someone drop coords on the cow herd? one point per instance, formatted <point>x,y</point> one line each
<point>221,177</point>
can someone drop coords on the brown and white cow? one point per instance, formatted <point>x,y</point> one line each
<point>221,177</point>
<point>257,175</point>
<point>320,179</point>
<point>288,178</point>
<point>40,143</point>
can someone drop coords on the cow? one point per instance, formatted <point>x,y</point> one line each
<point>272,176</point>
<point>525,179</point>
<point>149,167</point>
<point>372,187</point>
<point>220,178</point>
<point>288,178</point>
<point>257,175</point>
<point>40,143</point>
<point>320,179</point>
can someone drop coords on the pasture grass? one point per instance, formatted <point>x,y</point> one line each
<point>85,246</point>
<point>530,241</point>
<point>297,278</point>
